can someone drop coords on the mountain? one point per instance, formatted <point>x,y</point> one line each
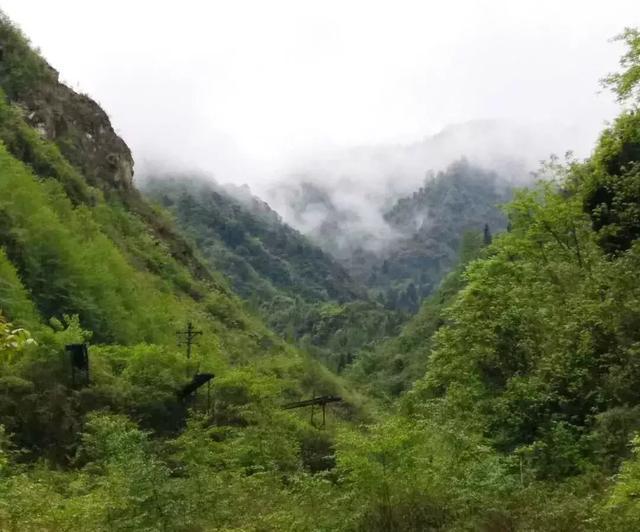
<point>432,223</point>
<point>299,290</point>
<point>339,197</point>
<point>365,206</point>
<point>412,243</point>
<point>509,401</point>
<point>85,258</point>
<point>242,236</point>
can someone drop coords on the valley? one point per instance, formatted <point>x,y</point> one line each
<point>467,331</point>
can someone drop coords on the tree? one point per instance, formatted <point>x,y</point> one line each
<point>626,84</point>
<point>12,340</point>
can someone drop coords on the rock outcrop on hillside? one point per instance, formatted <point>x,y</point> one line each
<point>76,123</point>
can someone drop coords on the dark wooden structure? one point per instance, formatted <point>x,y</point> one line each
<point>322,401</point>
<point>198,380</point>
<point>79,360</point>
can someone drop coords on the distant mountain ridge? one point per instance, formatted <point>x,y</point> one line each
<point>300,291</point>
<point>401,251</point>
<point>246,239</point>
<point>433,222</point>
<point>362,183</point>
<point>354,203</point>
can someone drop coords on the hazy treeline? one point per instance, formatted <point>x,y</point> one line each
<point>508,402</point>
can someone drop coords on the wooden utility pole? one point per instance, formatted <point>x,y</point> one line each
<point>187,338</point>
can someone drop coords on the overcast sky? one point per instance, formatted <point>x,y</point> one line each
<point>237,87</point>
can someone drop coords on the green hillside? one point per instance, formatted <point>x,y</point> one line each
<point>246,239</point>
<point>512,398</point>
<point>300,292</point>
<point>389,368</point>
<point>83,258</point>
<point>412,241</point>
<point>432,222</point>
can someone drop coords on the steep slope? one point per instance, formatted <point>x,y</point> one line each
<point>78,126</point>
<point>432,222</point>
<point>298,289</point>
<point>243,237</point>
<point>413,243</point>
<point>339,197</point>
<point>89,154</point>
<point>83,256</point>
<point>391,367</point>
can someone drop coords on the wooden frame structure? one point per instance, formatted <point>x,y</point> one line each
<point>322,401</point>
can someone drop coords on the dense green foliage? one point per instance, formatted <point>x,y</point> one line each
<point>427,229</point>
<point>299,291</point>
<point>626,83</point>
<point>389,368</point>
<point>432,221</point>
<point>20,70</point>
<point>524,414</point>
<point>244,238</point>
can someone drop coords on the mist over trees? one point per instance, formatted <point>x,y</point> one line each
<point>482,375</point>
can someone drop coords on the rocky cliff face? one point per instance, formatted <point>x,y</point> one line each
<point>82,131</point>
<point>78,126</point>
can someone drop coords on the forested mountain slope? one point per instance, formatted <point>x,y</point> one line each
<point>527,416</point>
<point>414,241</point>
<point>84,258</point>
<point>299,290</point>
<point>247,240</point>
<point>391,367</point>
<point>430,225</point>
<point>524,415</point>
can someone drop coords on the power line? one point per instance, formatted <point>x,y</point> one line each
<point>187,338</point>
